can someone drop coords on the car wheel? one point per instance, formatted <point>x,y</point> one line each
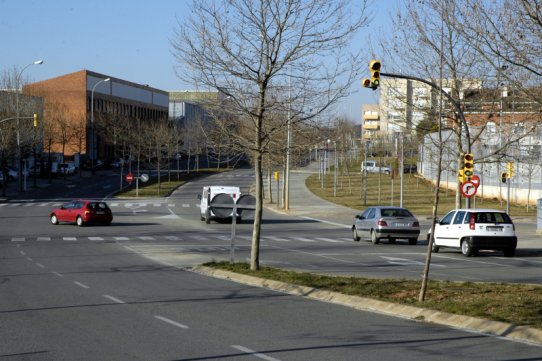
<point>355,234</point>
<point>54,220</point>
<point>466,248</point>
<point>79,221</point>
<point>435,248</point>
<point>413,241</point>
<point>509,252</point>
<point>374,238</point>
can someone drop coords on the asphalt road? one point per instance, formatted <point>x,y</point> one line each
<point>125,292</point>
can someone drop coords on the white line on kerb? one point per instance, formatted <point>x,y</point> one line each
<point>171,322</point>
<point>80,284</point>
<point>114,299</point>
<point>254,353</point>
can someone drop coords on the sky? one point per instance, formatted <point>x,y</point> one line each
<point>125,39</point>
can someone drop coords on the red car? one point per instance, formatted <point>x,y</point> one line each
<point>82,212</point>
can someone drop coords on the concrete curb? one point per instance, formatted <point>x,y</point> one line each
<point>501,329</point>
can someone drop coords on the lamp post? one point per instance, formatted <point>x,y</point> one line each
<point>17,83</point>
<point>92,123</point>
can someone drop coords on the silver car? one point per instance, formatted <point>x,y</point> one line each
<point>392,223</point>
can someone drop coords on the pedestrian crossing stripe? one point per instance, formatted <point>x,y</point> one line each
<point>194,238</point>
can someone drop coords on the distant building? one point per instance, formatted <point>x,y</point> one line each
<point>371,125</point>
<point>71,95</point>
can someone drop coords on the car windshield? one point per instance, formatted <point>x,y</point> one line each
<point>97,205</point>
<point>492,217</point>
<point>394,212</point>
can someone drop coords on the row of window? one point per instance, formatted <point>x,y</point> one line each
<point>129,110</point>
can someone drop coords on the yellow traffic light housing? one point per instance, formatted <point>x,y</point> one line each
<point>461,176</point>
<point>468,165</point>
<point>510,169</point>
<point>374,67</point>
<point>504,176</point>
<point>35,120</point>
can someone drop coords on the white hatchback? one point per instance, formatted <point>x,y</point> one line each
<point>472,230</point>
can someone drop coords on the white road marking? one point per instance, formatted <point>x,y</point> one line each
<point>30,259</point>
<point>43,239</point>
<point>173,238</point>
<point>58,274</point>
<point>3,204</point>
<point>171,322</point>
<point>114,299</point>
<point>303,239</point>
<point>254,353</point>
<point>186,205</point>
<point>146,238</point>
<point>43,204</point>
<point>327,222</point>
<point>18,239</point>
<point>171,205</point>
<point>40,265</point>
<point>113,204</point>
<point>277,239</point>
<point>95,238</point>
<point>23,253</point>
<point>69,238</point>
<point>121,238</point>
<point>80,284</point>
<point>329,240</point>
<point>28,205</point>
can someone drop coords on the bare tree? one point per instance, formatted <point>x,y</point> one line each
<point>245,49</point>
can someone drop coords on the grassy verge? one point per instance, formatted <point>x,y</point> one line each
<point>418,194</point>
<point>517,304</point>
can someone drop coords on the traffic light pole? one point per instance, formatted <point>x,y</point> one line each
<point>455,103</point>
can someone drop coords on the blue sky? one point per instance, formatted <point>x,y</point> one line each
<point>126,39</point>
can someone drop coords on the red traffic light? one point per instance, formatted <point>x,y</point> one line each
<point>375,65</point>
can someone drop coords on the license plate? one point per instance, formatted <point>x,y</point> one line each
<point>400,224</point>
<point>494,229</point>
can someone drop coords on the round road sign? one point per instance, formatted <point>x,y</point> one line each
<point>468,189</point>
<point>144,177</point>
<point>475,180</point>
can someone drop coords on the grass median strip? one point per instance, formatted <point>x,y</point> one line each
<point>511,303</point>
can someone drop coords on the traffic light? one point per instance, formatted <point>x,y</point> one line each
<point>510,169</point>
<point>366,83</point>
<point>504,175</point>
<point>375,66</point>
<point>461,176</point>
<point>35,120</point>
<point>468,165</point>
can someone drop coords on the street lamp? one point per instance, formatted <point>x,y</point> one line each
<point>92,122</point>
<point>17,83</point>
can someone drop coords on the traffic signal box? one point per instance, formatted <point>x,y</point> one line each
<point>35,120</point>
<point>510,170</point>
<point>374,82</point>
<point>468,165</point>
<point>504,176</point>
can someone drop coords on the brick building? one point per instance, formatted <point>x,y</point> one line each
<point>68,108</point>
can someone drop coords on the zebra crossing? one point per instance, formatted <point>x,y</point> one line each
<point>124,204</point>
<point>174,238</point>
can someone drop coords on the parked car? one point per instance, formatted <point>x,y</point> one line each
<point>373,167</point>
<point>379,222</point>
<point>474,229</point>
<point>82,212</point>
<point>13,173</point>
<point>67,168</point>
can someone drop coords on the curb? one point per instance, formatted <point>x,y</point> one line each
<point>474,324</point>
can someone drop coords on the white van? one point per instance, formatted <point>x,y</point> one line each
<point>209,192</point>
